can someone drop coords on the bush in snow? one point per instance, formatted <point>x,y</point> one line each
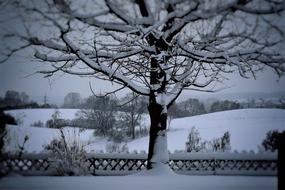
<point>57,122</point>
<point>68,154</point>
<point>117,136</point>
<point>54,121</point>
<point>38,123</point>
<point>221,144</point>
<point>194,142</point>
<point>270,142</point>
<point>113,147</point>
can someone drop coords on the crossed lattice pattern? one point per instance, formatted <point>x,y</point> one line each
<point>193,165</point>
<point>135,164</point>
<point>246,165</point>
<point>211,165</point>
<point>116,164</point>
<point>25,164</point>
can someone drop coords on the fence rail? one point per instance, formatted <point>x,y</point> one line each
<point>123,164</point>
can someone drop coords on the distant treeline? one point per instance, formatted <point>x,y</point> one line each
<point>192,106</point>
<point>20,100</point>
<point>186,108</point>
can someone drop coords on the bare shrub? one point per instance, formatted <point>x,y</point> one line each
<point>69,155</point>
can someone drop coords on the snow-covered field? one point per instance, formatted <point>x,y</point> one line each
<point>166,182</point>
<point>160,178</point>
<point>247,128</point>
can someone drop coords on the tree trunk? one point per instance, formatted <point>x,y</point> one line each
<point>157,152</point>
<point>133,127</point>
<point>280,161</point>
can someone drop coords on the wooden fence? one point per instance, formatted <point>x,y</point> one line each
<point>123,164</point>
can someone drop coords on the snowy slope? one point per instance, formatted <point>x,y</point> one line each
<point>29,116</point>
<point>247,128</point>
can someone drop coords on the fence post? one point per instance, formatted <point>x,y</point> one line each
<point>280,161</point>
<point>214,165</point>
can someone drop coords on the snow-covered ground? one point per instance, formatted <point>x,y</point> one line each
<point>246,126</point>
<point>166,182</point>
<point>29,116</point>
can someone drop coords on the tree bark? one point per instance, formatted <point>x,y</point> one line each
<point>158,125</point>
<point>133,125</point>
<point>280,161</point>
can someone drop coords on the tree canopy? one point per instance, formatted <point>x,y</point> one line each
<point>155,48</point>
<point>151,46</point>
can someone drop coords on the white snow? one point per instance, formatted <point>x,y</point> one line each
<point>141,182</point>
<point>38,137</point>
<point>247,127</point>
<point>160,153</point>
<point>29,116</point>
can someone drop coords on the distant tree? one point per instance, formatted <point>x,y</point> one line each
<point>47,106</point>
<point>281,103</point>
<point>100,115</point>
<point>72,100</point>
<point>270,141</point>
<point>100,102</point>
<point>12,98</point>
<point>173,112</point>
<point>192,107</point>
<point>224,105</point>
<point>38,123</point>
<point>189,107</point>
<point>133,108</point>
<point>178,110</point>
<point>1,99</point>
<point>24,98</point>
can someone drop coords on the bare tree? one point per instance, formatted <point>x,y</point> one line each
<point>100,115</point>
<point>72,100</point>
<point>154,48</point>
<point>133,109</point>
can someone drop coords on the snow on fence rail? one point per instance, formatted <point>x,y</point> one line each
<point>122,164</point>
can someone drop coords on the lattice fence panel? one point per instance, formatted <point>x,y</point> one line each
<point>15,165</point>
<point>224,164</point>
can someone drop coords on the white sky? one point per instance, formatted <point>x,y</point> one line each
<point>14,76</point>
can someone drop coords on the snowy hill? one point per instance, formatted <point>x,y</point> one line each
<point>247,128</point>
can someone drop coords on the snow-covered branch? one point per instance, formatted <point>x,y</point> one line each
<point>145,45</point>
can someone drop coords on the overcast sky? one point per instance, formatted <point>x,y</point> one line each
<point>16,75</point>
